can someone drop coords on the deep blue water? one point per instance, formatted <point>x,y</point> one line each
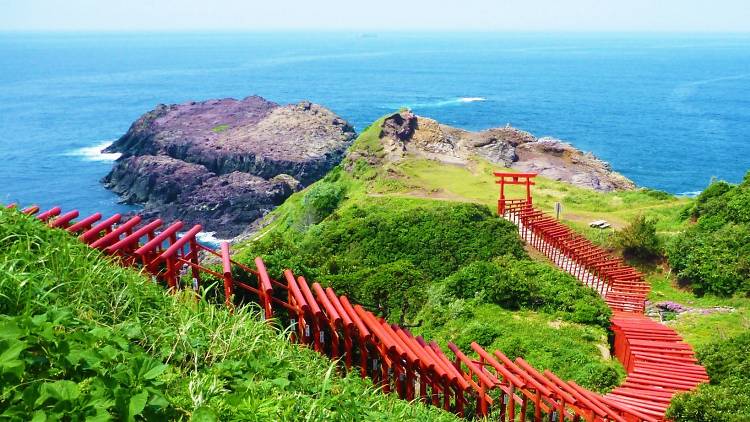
<point>668,111</point>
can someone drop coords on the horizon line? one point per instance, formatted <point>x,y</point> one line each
<point>376,31</point>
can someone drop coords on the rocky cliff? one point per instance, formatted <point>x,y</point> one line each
<point>405,133</point>
<point>225,163</point>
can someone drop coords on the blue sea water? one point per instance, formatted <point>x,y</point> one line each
<point>668,111</point>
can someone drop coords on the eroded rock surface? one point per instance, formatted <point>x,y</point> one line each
<point>405,133</point>
<point>225,163</point>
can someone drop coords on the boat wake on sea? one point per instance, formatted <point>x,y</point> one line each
<point>445,102</point>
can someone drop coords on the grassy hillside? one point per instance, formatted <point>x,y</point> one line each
<point>367,191</point>
<point>416,241</point>
<point>722,204</point>
<point>415,254</point>
<point>83,339</point>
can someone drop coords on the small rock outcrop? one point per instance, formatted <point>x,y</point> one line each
<point>225,163</point>
<point>405,133</point>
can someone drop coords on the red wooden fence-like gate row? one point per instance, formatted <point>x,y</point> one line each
<point>659,363</point>
<point>476,385</point>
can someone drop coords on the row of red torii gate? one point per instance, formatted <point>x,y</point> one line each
<point>479,384</point>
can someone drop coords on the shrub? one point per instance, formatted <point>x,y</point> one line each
<point>476,331</point>
<point>321,200</point>
<point>710,403</point>
<point>598,376</point>
<point>709,201</point>
<point>658,194</point>
<point>729,203</point>
<point>715,262</point>
<point>727,358</point>
<point>713,256</point>
<point>438,238</point>
<point>396,290</point>
<point>516,284</point>
<point>639,239</point>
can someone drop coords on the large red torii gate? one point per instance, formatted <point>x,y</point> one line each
<point>507,178</point>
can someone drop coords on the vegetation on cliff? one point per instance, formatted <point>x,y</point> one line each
<point>84,339</point>
<point>415,241</point>
<point>710,258</point>
<point>447,267</point>
<point>643,221</point>
<point>713,255</point>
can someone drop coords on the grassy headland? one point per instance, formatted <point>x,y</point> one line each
<point>416,241</point>
<point>386,197</point>
<point>411,240</point>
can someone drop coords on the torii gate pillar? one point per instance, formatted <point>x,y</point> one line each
<point>513,179</point>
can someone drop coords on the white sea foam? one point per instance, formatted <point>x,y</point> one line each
<point>209,238</point>
<point>94,153</point>
<point>471,99</point>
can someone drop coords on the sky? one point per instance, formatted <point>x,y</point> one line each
<point>383,15</point>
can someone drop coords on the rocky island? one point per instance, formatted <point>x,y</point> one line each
<point>224,163</point>
<point>405,133</point>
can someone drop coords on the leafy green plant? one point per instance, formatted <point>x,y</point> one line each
<point>396,290</point>
<point>525,284</point>
<point>321,200</point>
<point>713,256</point>
<point>639,239</point>
<point>55,365</point>
<point>658,194</point>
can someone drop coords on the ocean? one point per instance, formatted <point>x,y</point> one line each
<point>670,111</point>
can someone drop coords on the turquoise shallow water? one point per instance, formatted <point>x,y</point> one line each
<point>668,111</point>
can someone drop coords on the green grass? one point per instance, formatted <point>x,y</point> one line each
<point>699,329</point>
<point>572,351</point>
<point>82,338</point>
<point>394,236</point>
<point>476,183</point>
<point>220,128</point>
<point>368,142</point>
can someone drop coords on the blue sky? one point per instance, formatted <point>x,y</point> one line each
<point>382,15</point>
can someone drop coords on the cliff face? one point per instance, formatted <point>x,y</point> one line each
<point>405,133</point>
<point>225,163</point>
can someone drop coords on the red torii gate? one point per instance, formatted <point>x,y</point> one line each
<point>659,363</point>
<point>504,178</point>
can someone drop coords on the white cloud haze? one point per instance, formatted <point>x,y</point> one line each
<point>387,15</point>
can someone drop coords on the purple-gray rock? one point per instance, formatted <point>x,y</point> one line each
<point>225,163</point>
